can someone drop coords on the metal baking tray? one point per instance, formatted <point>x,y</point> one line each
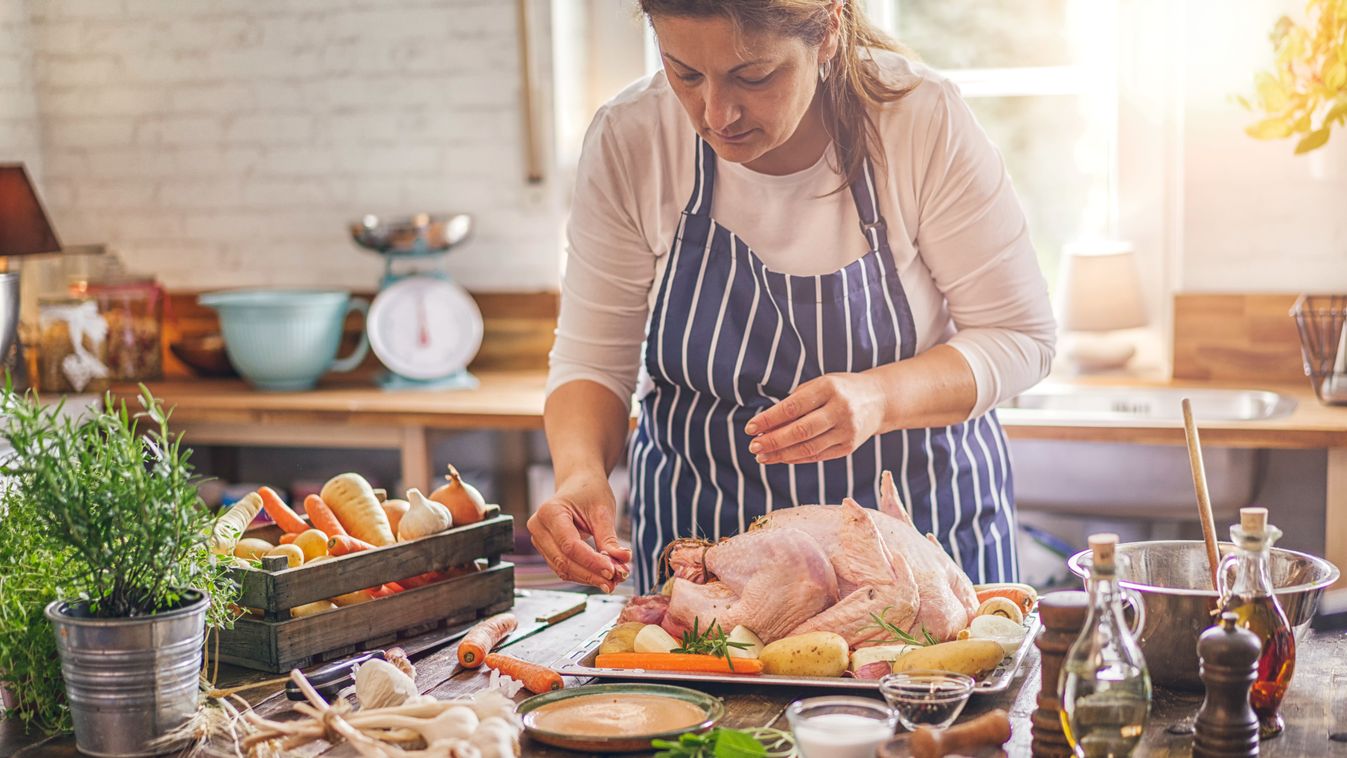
<point>580,662</point>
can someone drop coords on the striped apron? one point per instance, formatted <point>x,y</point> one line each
<point>729,337</point>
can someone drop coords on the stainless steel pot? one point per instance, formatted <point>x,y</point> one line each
<point>1174,582</point>
<point>130,681</point>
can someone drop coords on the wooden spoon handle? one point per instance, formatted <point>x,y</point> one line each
<point>1200,485</point>
<point>989,729</point>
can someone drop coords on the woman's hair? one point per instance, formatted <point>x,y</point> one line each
<point>853,84</point>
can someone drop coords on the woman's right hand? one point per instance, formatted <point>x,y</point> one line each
<point>582,509</point>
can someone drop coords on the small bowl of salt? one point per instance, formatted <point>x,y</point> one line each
<point>840,727</point>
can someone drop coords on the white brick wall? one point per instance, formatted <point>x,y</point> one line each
<point>18,104</point>
<point>229,143</point>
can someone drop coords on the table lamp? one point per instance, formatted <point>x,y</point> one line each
<point>1098,293</point>
<point>24,230</point>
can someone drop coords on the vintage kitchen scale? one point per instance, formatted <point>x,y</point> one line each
<point>423,326</point>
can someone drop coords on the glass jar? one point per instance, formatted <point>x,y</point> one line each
<point>134,310</point>
<point>72,346</point>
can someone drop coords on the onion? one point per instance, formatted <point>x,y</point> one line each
<point>463,500</point>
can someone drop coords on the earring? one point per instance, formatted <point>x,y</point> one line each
<point>823,70</point>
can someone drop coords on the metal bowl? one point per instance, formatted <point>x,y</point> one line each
<point>421,234</point>
<point>1174,581</point>
<point>204,354</point>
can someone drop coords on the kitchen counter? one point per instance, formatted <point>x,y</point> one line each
<point>1313,707</point>
<point>346,413</point>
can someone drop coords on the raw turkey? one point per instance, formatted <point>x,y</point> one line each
<point>819,568</point>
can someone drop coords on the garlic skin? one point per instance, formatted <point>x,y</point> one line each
<point>496,738</point>
<point>425,516</point>
<point>380,684</point>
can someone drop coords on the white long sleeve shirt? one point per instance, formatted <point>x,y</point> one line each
<point>955,226</point>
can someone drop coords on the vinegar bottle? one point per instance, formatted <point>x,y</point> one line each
<point>1250,597</point>
<point>1105,688</point>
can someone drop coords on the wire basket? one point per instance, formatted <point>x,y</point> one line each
<point>1321,320</point>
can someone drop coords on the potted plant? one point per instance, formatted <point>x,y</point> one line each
<point>1305,92</point>
<point>102,508</point>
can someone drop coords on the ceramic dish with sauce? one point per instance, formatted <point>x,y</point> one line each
<point>617,718</point>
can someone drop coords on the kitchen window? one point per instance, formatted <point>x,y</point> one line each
<point>1062,87</point>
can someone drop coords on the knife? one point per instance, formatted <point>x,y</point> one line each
<point>331,679</point>
<point>540,623</point>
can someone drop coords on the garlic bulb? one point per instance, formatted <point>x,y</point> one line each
<point>380,684</point>
<point>496,738</point>
<point>425,516</point>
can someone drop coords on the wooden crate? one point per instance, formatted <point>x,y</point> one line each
<point>279,643</point>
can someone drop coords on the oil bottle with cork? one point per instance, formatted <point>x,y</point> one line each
<point>1104,687</point>
<point>1249,595</point>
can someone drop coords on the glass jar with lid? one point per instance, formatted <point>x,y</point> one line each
<point>72,346</point>
<point>133,308</point>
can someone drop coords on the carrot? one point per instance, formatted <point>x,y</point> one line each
<point>384,590</point>
<point>286,519</point>
<point>536,677</point>
<point>1020,594</point>
<point>486,635</point>
<point>421,580</point>
<point>322,517</point>
<point>288,537</point>
<point>341,544</point>
<point>678,662</point>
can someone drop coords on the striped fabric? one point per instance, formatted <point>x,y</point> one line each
<point>729,337</point>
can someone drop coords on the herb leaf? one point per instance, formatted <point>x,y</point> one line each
<point>897,634</point>
<point>711,642</point>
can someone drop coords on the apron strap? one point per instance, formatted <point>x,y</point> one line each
<point>867,207</point>
<point>704,179</point>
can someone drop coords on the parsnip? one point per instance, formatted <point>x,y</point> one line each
<point>352,500</point>
<point>230,525</point>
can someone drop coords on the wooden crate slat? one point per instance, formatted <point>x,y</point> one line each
<point>279,591</point>
<point>280,645</point>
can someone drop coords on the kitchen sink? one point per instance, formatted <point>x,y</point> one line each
<point>1120,404</point>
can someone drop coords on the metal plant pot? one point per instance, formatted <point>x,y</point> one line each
<point>130,681</point>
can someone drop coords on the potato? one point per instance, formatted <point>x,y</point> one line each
<point>653,639</point>
<point>812,654</point>
<point>293,555</point>
<point>252,548</point>
<point>313,543</point>
<point>971,657</point>
<point>622,639</point>
<point>311,609</point>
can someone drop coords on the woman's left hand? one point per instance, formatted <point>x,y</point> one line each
<point>824,418</point>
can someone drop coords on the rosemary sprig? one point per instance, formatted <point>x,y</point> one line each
<point>711,642</point>
<point>898,634</point>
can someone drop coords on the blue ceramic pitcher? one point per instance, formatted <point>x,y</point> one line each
<point>286,339</point>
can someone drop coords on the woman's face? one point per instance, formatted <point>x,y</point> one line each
<point>745,92</point>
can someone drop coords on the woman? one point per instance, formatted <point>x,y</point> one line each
<point>830,273</point>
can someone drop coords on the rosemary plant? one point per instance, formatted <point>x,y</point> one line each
<point>101,509</point>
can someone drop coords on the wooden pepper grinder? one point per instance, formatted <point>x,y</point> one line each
<point>1226,725</point>
<point>1062,615</point>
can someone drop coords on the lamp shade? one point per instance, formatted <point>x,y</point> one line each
<point>1099,288</point>
<point>24,229</point>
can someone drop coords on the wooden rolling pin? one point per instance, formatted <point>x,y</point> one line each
<point>988,730</point>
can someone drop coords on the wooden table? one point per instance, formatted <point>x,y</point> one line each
<point>1315,707</point>
<point>343,412</point>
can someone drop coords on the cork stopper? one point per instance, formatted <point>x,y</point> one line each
<point>1102,547</point>
<point>1253,520</point>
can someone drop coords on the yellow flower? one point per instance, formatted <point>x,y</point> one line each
<point>1305,91</point>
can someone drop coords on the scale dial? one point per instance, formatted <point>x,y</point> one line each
<point>424,328</point>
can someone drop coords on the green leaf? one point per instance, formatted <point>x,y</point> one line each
<point>1270,128</point>
<point>1313,140</point>
<point>731,743</point>
<point>1337,113</point>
